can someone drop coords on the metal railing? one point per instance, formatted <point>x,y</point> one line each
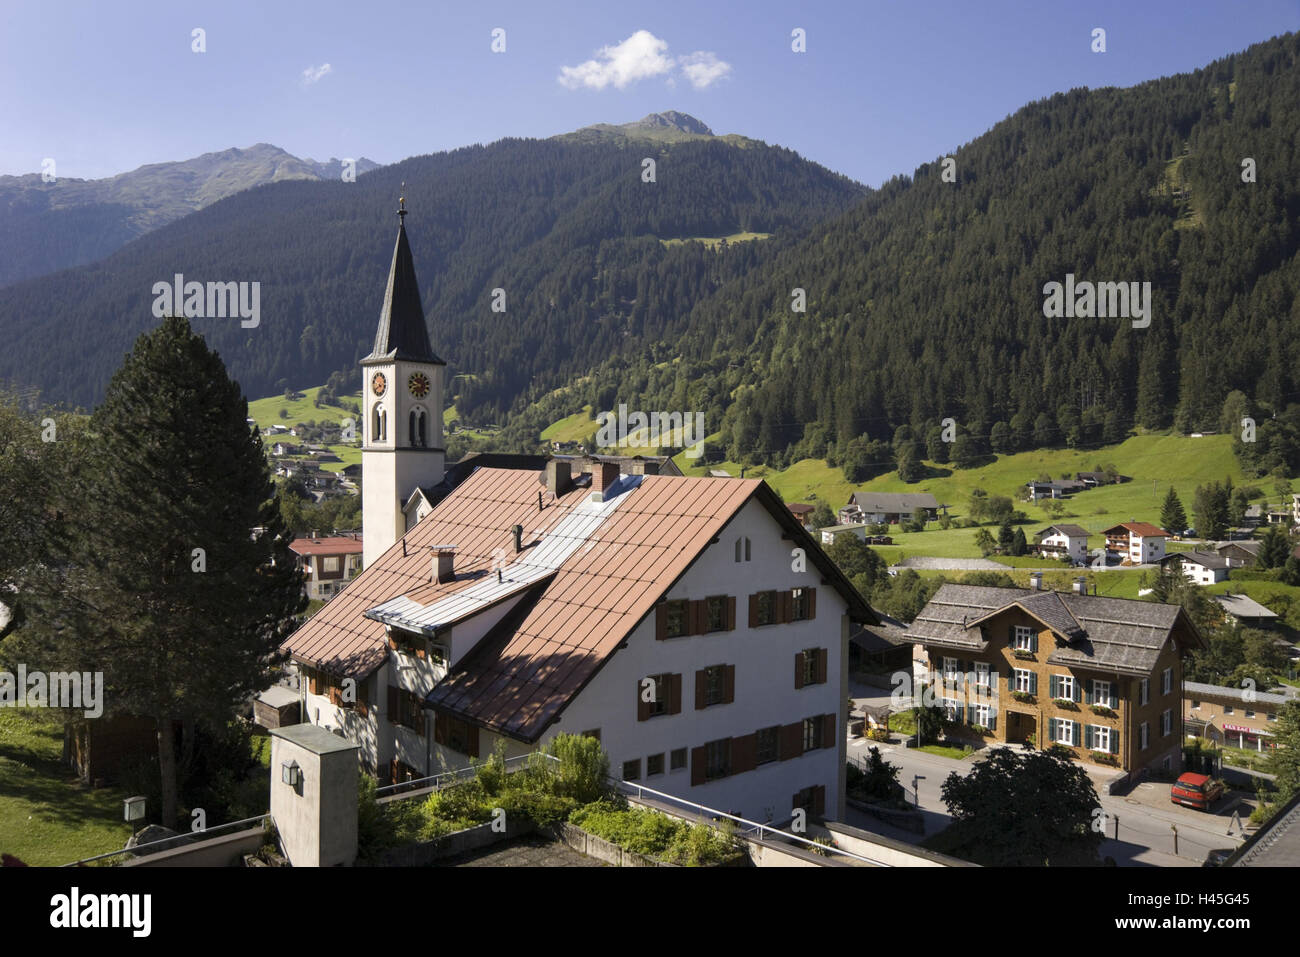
<point>744,827</point>
<point>445,779</point>
<point>177,841</point>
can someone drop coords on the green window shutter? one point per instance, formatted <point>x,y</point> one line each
<point>1053,683</point>
<point>1114,741</point>
<point>1033,642</point>
<point>1077,736</point>
<point>1011,679</point>
<point>1051,729</point>
<point>961,713</point>
<point>1078,690</point>
<point>1088,695</point>
<point>1087,737</point>
<point>1033,682</point>
<point>993,719</point>
<point>1114,696</point>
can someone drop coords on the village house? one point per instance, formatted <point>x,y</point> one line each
<point>1232,716</point>
<point>887,508</point>
<point>327,563</point>
<point>658,613</point>
<point>1137,543</point>
<point>831,533</point>
<point>1245,610</point>
<point>802,512</point>
<point>1054,488</point>
<point>1099,676</point>
<point>1064,541</point>
<point>1239,554</point>
<point>1203,568</point>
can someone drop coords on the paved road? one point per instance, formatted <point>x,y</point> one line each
<point>1144,816</point>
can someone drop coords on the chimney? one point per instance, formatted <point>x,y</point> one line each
<point>1081,586</point>
<point>1036,581</point>
<point>558,478</point>
<point>603,475</point>
<point>518,532</point>
<point>444,563</point>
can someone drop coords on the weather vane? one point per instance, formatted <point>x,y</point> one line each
<point>401,203</point>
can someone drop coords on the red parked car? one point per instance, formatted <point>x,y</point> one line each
<point>1196,790</point>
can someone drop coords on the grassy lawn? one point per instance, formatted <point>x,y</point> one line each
<point>266,412</point>
<point>715,240</point>
<point>47,817</point>
<point>946,752</point>
<point>574,428</point>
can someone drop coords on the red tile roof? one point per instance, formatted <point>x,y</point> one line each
<point>1140,529</point>
<point>326,546</point>
<point>594,571</point>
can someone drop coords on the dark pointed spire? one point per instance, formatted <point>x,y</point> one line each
<point>402,333</point>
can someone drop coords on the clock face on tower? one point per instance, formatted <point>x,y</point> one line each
<point>418,383</point>
<point>379,384</point>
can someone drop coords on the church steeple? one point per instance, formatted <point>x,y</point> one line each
<point>402,333</point>
<point>403,383</point>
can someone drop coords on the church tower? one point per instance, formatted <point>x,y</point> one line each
<point>402,385</point>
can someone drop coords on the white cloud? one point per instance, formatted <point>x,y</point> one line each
<point>640,56</point>
<point>703,68</point>
<point>313,73</point>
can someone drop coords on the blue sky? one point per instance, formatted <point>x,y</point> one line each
<point>882,87</point>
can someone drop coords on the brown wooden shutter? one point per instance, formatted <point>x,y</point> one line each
<point>821,665</point>
<point>661,621</point>
<point>830,730</point>
<point>392,772</point>
<point>819,800</point>
<point>699,617</point>
<point>728,684</point>
<point>642,706</point>
<point>812,603</point>
<point>313,683</point>
<point>675,694</point>
<point>753,610</point>
<point>787,602</point>
<point>392,704</point>
<point>392,643</point>
<point>473,741</point>
<point>336,694</point>
<point>798,669</point>
<point>791,740</point>
<point>700,687</point>
<point>730,623</point>
<point>744,753</point>
<point>699,756</point>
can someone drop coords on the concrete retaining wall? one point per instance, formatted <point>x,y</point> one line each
<point>424,853</point>
<point>584,842</point>
<point>225,851</point>
<point>907,820</point>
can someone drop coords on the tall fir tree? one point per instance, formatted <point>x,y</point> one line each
<point>182,586</point>
<point>1173,517</point>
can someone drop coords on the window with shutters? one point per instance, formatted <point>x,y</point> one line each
<point>460,736</point>
<point>1023,638</point>
<point>767,744</point>
<point>1065,687</point>
<point>654,764</point>
<point>1144,691</point>
<point>1063,732</point>
<point>950,709</point>
<point>1167,681</point>
<point>1024,680</point>
<point>766,608</point>
<point>716,613</point>
<point>812,666</point>
<point>812,733</point>
<point>982,714</point>
<point>1167,724</point>
<point>982,674</point>
<point>658,693</point>
<point>951,669</point>
<point>714,684</point>
<point>1101,693</point>
<point>677,759</point>
<point>1101,738</point>
<point>632,770</point>
<point>410,709</point>
<point>717,759</point>
<point>1144,736</point>
<point>676,615</point>
<point>800,605</point>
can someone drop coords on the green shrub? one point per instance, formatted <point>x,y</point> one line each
<point>491,774</point>
<point>583,771</point>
